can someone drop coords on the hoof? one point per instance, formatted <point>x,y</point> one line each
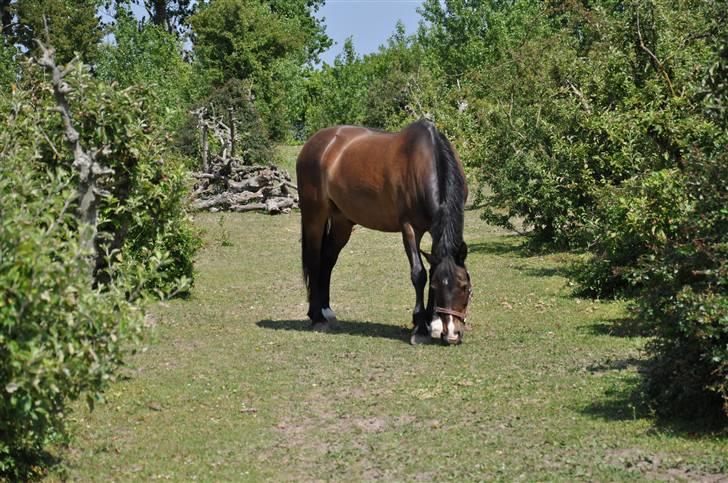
<point>330,317</point>
<point>322,326</point>
<point>418,339</point>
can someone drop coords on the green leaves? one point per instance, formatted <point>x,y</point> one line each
<point>60,337</point>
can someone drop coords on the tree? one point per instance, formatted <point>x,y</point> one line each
<point>146,54</point>
<point>241,39</point>
<point>254,40</point>
<point>6,18</point>
<point>169,14</point>
<point>73,26</point>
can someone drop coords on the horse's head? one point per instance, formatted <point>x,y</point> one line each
<point>450,290</point>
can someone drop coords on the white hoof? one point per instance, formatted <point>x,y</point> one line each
<point>329,315</point>
<point>418,339</point>
<point>436,328</point>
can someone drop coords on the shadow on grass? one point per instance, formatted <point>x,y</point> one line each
<point>506,245</point>
<point>511,246</point>
<point>621,327</point>
<point>345,327</point>
<point>33,465</point>
<point>630,403</point>
<point>559,271</point>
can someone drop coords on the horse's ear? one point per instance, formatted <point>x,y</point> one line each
<point>462,253</point>
<point>427,256</point>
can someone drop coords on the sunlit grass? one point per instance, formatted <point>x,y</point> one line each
<point>233,385</point>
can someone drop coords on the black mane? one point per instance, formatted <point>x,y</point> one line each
<point>447,226</point>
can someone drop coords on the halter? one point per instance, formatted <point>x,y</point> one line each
<point>461,315</point>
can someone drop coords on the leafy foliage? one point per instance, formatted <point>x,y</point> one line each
<point>62,336</point>
<point>231,100</point>
<point>73,26</point>
<point>256,41</point>
<point>146,54</point>
<point>8,66</point>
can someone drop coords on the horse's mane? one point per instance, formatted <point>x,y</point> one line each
<point>447,226</point>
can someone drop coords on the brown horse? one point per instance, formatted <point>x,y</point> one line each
<point>409,182</point>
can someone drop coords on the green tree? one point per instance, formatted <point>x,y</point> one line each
<point>146,54</point>
<point>337,93</point>
<point>74,26</point>
<point>169,14</point>
<point>255,40</point>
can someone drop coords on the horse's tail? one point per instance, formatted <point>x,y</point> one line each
<point>312,231</point>
<point>304,256</point>
<point>311,256</point>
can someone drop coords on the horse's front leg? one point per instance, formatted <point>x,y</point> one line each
<point>418,274</point>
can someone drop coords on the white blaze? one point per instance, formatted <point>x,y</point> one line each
<point>451,328</point>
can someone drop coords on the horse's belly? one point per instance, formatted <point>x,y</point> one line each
<point>367,208</point>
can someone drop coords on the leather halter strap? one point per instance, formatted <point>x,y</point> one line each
<point>442,310</point>
<point>461,315</point>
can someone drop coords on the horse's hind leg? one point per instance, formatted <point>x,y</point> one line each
<point>336,237</point>
<point>313,226</point>
<point>418,274</point>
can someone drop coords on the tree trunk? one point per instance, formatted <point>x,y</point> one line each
<point>231,123</point>
<point>6,17</point>
<point>205,150</point>
<point>158,11</point>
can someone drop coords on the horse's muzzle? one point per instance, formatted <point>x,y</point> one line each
<point>453,339</point>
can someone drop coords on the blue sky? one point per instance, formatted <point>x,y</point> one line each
<point>369,22</point>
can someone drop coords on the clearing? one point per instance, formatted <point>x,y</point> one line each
<point>232,384</point>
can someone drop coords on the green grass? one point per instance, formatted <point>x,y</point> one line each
<point>285,158</point>
<point>233,385</point>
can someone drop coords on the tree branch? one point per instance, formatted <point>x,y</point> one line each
<point>84,161</point>
<point>656,64</point>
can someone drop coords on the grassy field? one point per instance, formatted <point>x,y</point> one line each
<point>233,385</point>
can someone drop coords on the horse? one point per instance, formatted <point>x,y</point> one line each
<point>410,182</point>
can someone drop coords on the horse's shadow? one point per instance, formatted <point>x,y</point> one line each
<point>342,327</point>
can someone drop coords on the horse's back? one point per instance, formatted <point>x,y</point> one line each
<point>374,178</point>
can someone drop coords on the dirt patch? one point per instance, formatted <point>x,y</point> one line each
<point>660,466</point>
<point>377,424</point>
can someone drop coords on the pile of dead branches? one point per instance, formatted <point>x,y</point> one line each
<point>227,184</point>
<point>245,188</point>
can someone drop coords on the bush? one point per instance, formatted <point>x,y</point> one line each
<point>59,338</point>
<point>64,329</point>
<point>685,280</point>
<point>144,217</point>
<point>637,218</point>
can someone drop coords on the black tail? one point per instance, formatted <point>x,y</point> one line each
<point>306,255</point>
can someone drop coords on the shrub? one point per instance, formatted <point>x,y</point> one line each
<point>145,212</point>
<point>636,219</point>
<point>59,337</point>
<point>62,336</point>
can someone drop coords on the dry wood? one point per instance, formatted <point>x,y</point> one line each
<point>227,184</point>
<point>244,188</point>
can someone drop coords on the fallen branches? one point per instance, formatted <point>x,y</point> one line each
<point>246,188</point>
